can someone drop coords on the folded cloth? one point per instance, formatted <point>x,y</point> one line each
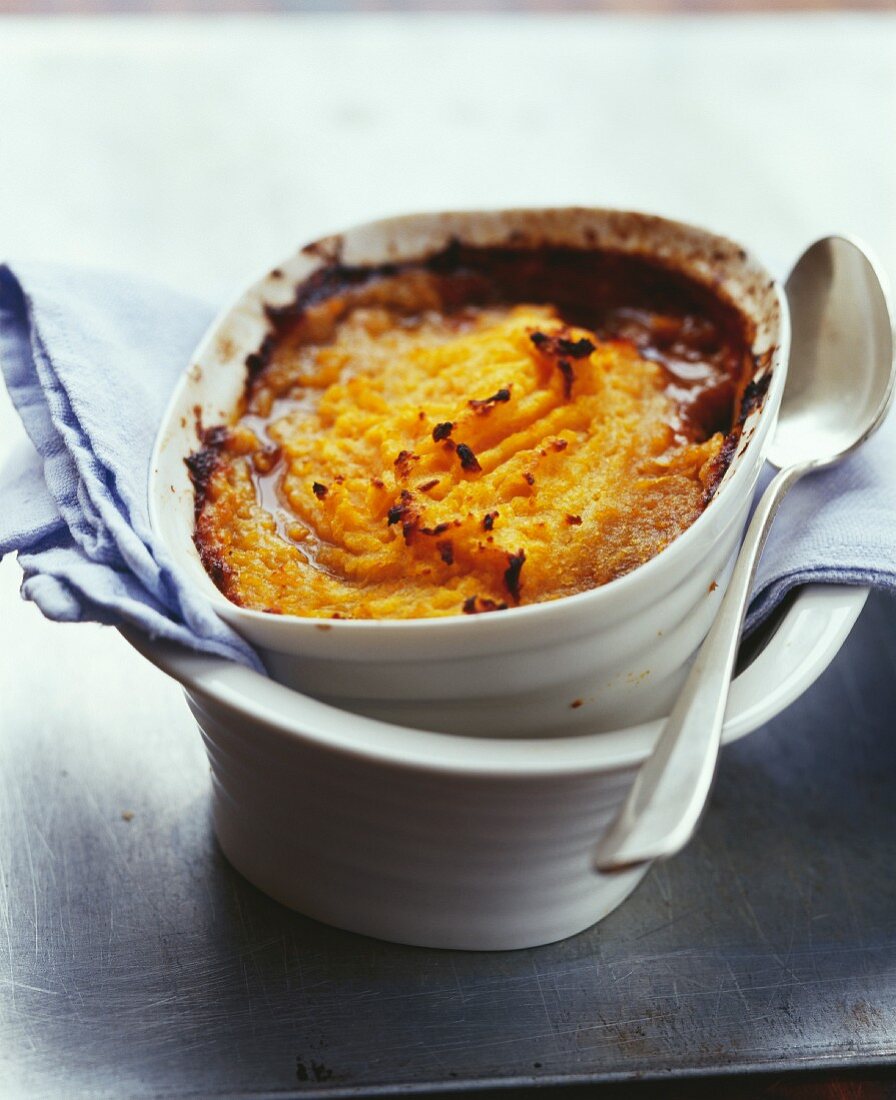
<point>90,360</point>
<point>836,526</point>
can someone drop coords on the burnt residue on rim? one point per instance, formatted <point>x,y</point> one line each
<point>614,293</point>
<point>671,318</point>
<point>754,395</point>
<point>201,466</point>
<point>751,400</point>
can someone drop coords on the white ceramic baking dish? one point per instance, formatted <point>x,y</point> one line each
<point>618,652</point>
<point>441,838</point>
<point>437,839</point>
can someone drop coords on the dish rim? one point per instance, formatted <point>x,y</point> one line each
<point>819,620</point>
<point>738,473</point>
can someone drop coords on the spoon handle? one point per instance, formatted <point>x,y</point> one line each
<point>665,804</point>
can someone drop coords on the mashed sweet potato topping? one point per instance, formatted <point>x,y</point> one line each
<point>402,453</point>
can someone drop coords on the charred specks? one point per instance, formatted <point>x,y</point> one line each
<point>529,477</point>
<point>512,573</point>
<point>439,529</point>
<point>486,404</point>
<point>403,463</point>
<point>587,286</point>
<point>256,361</point>
<point>560,345</point>
<point>319,490</point>
<point>720,464</point>
<point>569,376</point>
<point>427,485</point>
<point>399,510</point>
<point>377,483</point>
<point>574,521</point>
<point>446,551</point>
<point>404,513</point>
<point>478,605</point>
<point>468,459</point>
<point>563,350</point>
<point>488,520</point>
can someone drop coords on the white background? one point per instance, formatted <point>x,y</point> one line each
<point>201,150</point>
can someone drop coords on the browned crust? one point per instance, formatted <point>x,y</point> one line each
<point>752,398</point>
<point>486,404</point>
<point>203,463</point>
<point>468,459</point>
<point>464,265</point>
<point>480,271</point>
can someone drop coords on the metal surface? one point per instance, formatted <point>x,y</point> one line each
<point>839,388</point>
<point>135,962</point>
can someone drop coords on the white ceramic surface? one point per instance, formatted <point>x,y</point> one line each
<point>435,839</point>
<point>622,649</point>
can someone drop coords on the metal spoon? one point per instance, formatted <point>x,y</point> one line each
<point>839,386</point>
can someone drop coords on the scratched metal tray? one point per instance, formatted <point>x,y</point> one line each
<point>134,962</point>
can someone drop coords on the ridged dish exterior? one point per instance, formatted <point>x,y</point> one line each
<point>405,855</point>
<point>621,649</point>
<point>409,849</point>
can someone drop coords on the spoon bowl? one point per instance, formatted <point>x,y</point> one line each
<point>838,390</point>
<point>839,321</point>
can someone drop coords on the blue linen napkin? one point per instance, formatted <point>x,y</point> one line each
<point>90,360</point>
<point>836,526</point>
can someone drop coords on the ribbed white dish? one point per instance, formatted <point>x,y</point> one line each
<point>622,649</point>
<point>435,839</point>
<point>474,829</point>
